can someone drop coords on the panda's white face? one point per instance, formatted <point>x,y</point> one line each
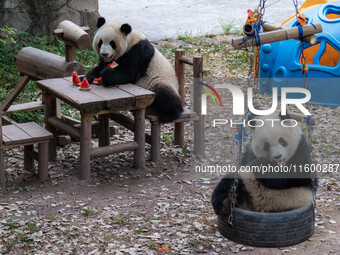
<point>275,142</point>
<point>110,42</point>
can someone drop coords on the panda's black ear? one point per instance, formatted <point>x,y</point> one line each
<point>284,117</point>
<point>126,29</point>
<point>100,22</point>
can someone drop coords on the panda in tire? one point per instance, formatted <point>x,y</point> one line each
<point>271,145</point>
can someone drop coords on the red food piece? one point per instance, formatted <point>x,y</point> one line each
<point>113,65</point>
<point>98,80</point>
<point>75,79</point>
<point>85,85</point>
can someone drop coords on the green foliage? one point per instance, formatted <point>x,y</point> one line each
<point>11,42</point>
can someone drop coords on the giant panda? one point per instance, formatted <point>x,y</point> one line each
<point>138,63</point>
<point>275,145</point>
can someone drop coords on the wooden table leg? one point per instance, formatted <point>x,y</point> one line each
<point>43,161</point>
<point>104,130</point>
<point>2,169</point>
<point>28,160</point>
<point>85,147</point>
<point>139,116</point>
<point>155,142</point>
<point>51,111</point>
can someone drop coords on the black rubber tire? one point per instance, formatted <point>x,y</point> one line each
<point>277,229</point>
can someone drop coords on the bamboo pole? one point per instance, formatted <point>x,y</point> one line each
<point>278,35</point>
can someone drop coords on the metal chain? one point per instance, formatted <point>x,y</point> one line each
<point>304,76</point>
<point>233,201</point>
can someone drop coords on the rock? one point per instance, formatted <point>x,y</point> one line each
<point>42,17</point>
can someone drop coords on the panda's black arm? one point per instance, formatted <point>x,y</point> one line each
<point>95,72</point>
<point>220,193</point>
<point>131,66</point>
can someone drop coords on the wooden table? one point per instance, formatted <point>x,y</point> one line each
<point>101,101</point>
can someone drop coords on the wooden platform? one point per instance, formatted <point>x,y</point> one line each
<point>22,134</point>
<point>101,101</point>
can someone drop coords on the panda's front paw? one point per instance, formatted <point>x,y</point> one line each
<point>89,78</point>
<point>107,75</point>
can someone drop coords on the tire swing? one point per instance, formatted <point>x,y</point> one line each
<point>267,229</point>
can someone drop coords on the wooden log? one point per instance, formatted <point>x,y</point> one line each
<point>69,54</point>
<point>155,142</point>
<point>180,72</point>
<point>85,147</point>
<point>139,155</point>
<point>24,107</point>
<point>278,35</point>
<point>248,29</point>
<point>197,105</point>
<point>15,92</point>
<point>43,161</point>
<point>63,140</point>
<point>123,120</point>
<point>2,160</point>
<point>271,26</point>
<point>311,39</point>
<point>64,127</point>
<point>28,158</point>
<point>103,131</point>
<point>2,169</point>
<point>186,60</point>
<point>73,35</point>
<point>40,64</point>
<point>107,150</point>
<point>50,111</point>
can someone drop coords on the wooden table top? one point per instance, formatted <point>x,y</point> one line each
<point>99,98</point>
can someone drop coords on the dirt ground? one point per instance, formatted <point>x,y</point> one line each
<point>123,210</point>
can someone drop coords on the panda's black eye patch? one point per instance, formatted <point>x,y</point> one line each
<point>266,146</point>
<point>113,44</point>
<point>100,43</point>
<point>283,142</point>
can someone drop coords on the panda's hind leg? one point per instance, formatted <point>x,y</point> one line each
<point>167,104</point>
<point>221,196</point>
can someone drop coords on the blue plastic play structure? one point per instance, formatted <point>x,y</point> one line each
<point>280,64</point>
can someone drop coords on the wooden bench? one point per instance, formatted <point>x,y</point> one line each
<point>26,134</point>
<point>154,139</point>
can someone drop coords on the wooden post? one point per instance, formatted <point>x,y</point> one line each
<point>85,147</point>
<point>180,72</point>
<point>43,161</point>
<point>51,111</point>
<point>139,157</point>
<point>14,94</point>
<point>104,130</point>
<point>28,160</point>
<point>156,141</point>
<point>69,56</point>
<point>2,160</point>
<point>197,104</point>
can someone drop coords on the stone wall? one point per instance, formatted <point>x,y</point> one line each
<point>43,16</point>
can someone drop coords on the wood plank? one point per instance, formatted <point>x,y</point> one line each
<point>15,135</point>
<point>15,92</point>
<point>24,107</point>
<point>37,132</point>
<point>85,101</point>
<point>64,127</point>
<point>117,99</point>
<point>107,150</point>
<point>144,97</point>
